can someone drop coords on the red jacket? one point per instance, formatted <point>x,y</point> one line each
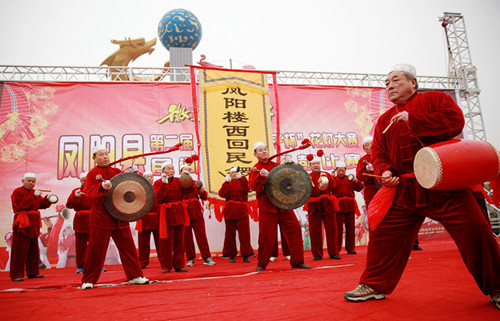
<point>169,197</point>
<point>236,194</point>
<point>82,207</point>
<point>322,202</point>
<point>191,197</point>
<point>344,192</point>
<point>26,215</point>
<point>257,184</point>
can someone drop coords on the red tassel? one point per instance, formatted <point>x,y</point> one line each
<point>379,206</point>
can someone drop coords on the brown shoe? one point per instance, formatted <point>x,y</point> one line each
<point>182,269</point>
<point>362,293</point>
<point>165,271</point>
<point>18,280</point>
<point>495,299</point>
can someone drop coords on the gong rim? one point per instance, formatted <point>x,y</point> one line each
<point>130,198</point>
<point>288,186</point>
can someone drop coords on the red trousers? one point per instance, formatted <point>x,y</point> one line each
<point>347,219</point>
<point>198,228</point>
<point>392,241</point>
<point>96,253</point>
<point>316,223</point>
<point>144,238</point>
<point>172,248</point>
<point>241,225</point>
<point>24,252</point>
<point>268,227</point>
<point>81,240</point>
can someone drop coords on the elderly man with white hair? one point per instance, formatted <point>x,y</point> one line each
<point>103,226</point>
<point>26,203</point>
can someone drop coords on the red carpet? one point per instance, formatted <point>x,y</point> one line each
<point>435,286</point>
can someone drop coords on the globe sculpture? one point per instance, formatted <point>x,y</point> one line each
<point>179,28</point>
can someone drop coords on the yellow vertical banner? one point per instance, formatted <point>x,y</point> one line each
<point>234,114</point>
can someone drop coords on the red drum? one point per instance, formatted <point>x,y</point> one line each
<point>456,164</point>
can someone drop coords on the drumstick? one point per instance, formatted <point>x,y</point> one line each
<point>388,127</point>
<point>373,175</point>
<point>45,190</point>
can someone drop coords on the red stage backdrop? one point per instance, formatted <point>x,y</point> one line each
<point>50,129</point>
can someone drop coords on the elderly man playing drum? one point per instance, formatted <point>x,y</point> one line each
<point>103,226</point>
<point>270,215</point>
<point>417,120</point>
<point>26,203</point>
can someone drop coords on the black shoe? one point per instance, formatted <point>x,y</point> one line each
<point>301,266</point>
<point>417,248</point>
<point>352,252</point>
<point>317,258</point>
<point>38,276</point>
<point>260,268</point>
<point>253,254</point>
<point>246,260</point>
<point>232,260</point>
<point>224,256</point>
<point>335,257</point>
<point>143,267</point>
<point>182,269</point>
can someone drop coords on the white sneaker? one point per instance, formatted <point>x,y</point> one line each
<point>139,280</point>
<point>208,261</point>
<point>287,257</point>
<point>272,258</point>
<point>86,286</point>
<point>190,263</point>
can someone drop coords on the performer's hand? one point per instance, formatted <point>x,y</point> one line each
<point>134,169</point>
<point>106,184</point>
<point>238,175</point>
<point>164,179</point>
<point>78,193</point>
<point>38,192</point>
<point>369,167</point>
<point>388,180</point>
<point>264,172</point>
<point>227,178</point>
<point>287,159</point>
<point>402,116</point>
<point>322,182</point>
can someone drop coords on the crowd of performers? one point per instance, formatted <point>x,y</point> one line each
<point>417,120</point>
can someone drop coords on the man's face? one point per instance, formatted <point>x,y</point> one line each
<point>367,147</point>
<point>149,177</point>
<point>169,170</point>
<point>315,167</point>
<point>340,172</point>
<point>101,158</point>
<point>233,175</point>
<point>29,183</point>
<point>186,169</point>
<point>262,153</point>
<point>399,88</point>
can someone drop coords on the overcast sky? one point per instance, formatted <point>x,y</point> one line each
<point>326,35</point>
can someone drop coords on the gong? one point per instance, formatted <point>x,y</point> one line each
<point>130,197</point>
<point>288,186</point>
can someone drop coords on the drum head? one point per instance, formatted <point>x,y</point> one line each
<point>288,186</point>
<point>130,198</point>
<point>428,168</point>
<point>186,180</point>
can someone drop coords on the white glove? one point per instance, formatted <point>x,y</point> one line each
<point>238,175</point>
<point>78,193</point>
<point>369,167</point>
<point>264,172</point>
<point>106,184</point>
<point>134,168</point>
<point>38,192</point>
<point>227,178</point>
<point>164,179</point>
<point>287,159</point>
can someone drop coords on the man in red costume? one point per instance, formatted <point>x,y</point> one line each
<point>103,226</point>
<point>26,203</point>
<point>173,215</point>
<point>78,201</point>
<point>416,120</point>
<point>365,167</point>
<point>235,191</point>
<point>321,210</point>
<point>191,197</point>
<point>270,216</point>
<point>146,226</point>
<point>348,208</point>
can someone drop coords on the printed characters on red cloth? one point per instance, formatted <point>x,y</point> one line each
<point>236,214</point>
<point>321,211</point>
<point>147,226</point>
<point>173,218</point>
<point>191,197</point>
<point>417,120</point>
<point>271,216</point>
<point>26,203</point>
<point>345,186</point>
<point>80,202</point>
<point>103,226</point>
